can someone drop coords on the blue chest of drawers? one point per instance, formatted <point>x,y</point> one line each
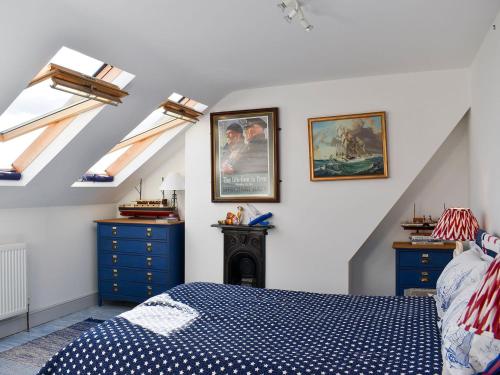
<point>419,266</point>
<point>138,259</point>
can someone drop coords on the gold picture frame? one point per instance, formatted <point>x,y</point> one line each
<point>348,147</point>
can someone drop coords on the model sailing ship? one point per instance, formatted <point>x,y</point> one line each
<point>156,208</point>
<point>147,208</point>
<point>422,227</point>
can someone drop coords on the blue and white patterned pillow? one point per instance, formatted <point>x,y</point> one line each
<point>463,351</point>
<point>465,269</point>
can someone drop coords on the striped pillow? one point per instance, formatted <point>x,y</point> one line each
<point>481,318</point>
<point>482,314</point>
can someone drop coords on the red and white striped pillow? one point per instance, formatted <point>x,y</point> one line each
<point>482,314</point>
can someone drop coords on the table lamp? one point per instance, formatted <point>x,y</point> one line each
<point>174,181</point>
<point>456,224</point>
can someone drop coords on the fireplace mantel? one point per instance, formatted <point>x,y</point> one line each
<point>244,228</point>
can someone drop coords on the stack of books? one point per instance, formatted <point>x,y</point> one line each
<point>168,220</point>
<point>424,238</point>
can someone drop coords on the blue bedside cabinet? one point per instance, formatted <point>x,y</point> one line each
<point>419,266</point>
<point>138,259</point>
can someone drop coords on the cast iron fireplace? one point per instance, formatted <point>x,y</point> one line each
<point>245,255</point>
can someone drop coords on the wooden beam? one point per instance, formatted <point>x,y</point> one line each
<point>130,155</point>
<point>40,144</point>
<point>150,133</point>
<point>48,119</point>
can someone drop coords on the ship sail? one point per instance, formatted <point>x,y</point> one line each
<point>349,146</point>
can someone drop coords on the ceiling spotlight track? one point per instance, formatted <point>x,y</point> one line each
<point>293,9</point>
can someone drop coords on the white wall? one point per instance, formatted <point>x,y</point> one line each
<point>320,225</point>
<point>61,242</point>
<point>444,180</point>
<point>485,132</point>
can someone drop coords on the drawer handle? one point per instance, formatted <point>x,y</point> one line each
<point>424,259</point>
<point>149,276</point>
<point>114,245</point>
<point>149,261</point>
<point>115,259</point>
<point>149,232</point>
<point>114,231</point>
<point>115,272</point>
<point>149,247</point>
<point>424,277</point>
<point>150,290</point>
<point>115,287</point>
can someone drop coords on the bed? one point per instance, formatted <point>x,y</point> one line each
<point>204,328</point>
<point>223,329</point>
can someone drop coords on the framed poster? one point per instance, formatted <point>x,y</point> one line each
<point>245,161</point>
<point>348,147</point>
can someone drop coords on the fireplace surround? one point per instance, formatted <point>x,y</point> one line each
<point>244,254</point>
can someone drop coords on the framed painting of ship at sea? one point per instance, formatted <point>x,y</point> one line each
<point>348,147</point>
<point>245,162</point>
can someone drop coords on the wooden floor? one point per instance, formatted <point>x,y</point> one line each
<point>96,312</point>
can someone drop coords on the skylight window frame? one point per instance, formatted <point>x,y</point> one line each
<point>57,132</point>
<point>76,83</point>
<point>143,145</point>
<point>55,122</point>
<point>133,166</point>
<point>183,111</point>
<point>137,144</point>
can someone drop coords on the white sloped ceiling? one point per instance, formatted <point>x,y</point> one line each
<point>206,49</point>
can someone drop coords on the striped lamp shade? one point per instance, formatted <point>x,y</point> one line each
<point>456,224</point>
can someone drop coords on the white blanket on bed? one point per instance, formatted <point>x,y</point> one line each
<point>162,315</point>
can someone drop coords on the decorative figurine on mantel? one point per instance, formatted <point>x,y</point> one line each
<point>233,219</point>
<point>256,218</point>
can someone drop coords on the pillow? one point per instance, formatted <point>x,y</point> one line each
<point>471,327</point>
<point>456,342</point>
<point>465,269</point>
<point>490,245</point>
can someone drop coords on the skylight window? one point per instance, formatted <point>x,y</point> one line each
<point>193,104</point>
<point>154,132</point>
<point>68,86</point>
<point>77,61</point>
<point>99,168</point>
<point>11,150</point>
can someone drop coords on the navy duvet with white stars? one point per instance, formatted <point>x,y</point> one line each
<point>243,330</point>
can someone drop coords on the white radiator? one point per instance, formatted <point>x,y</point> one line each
<point>13,280</point>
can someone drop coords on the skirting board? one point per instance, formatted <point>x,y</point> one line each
<point>18,324</point>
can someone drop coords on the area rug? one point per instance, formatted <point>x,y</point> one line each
<point>38,351</point>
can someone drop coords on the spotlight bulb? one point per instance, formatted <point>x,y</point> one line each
<point>306,25</point>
